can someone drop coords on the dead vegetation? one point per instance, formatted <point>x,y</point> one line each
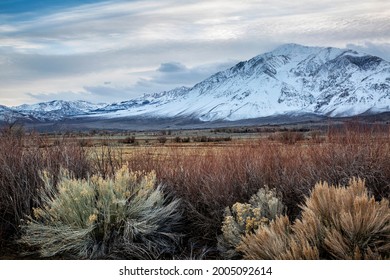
<point>206,176</point>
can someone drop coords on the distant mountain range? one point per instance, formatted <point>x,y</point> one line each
<point>292,80</point>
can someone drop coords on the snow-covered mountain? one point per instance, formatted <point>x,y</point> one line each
<point>9,115</point>
<point>292,79</point>
<point>57,109</point>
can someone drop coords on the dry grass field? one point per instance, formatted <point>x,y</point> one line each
<point>208,171</point>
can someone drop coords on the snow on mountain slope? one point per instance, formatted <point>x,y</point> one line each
<point>137,104</point>
<point>292,79</point>
<point>57,109</point>
<point>9,115</point>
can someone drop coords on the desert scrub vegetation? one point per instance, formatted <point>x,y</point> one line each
<point>209,178</point>
<point>246,218</point>
<point>336,223</point>
<point>206,177</point>
<point>125,216</point>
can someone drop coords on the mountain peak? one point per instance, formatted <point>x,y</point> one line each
<point>326,53</point>
<point>292,46</point>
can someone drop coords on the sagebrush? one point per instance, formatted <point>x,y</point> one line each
<point>336,223</point>
<point>246,218</point>
<point>125,216</point>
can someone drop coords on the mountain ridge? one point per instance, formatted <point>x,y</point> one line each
<point>292,79</point>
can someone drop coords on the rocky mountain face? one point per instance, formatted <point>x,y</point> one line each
<point>291,80</point>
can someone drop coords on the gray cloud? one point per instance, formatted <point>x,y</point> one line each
<point>381,50</point>
<point>143,46</point>
<point>108,93</point>
<point>71,96</point>
<point>172,67</point>
<point>181,76</point>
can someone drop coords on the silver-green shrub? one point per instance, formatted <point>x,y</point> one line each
<point>244,218</point>
<point>125,216</point>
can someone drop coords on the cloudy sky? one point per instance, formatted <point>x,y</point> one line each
<point>106,51</point>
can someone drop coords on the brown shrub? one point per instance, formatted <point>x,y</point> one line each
<point>22,158</point>
<point>105,160</point>
<point>353,224</point>
<point>336,223</point>
<point>162,139</point>
<point>348,154</point>
<point>128,140</point>
<point>18,180</point>
<point>290,137</point>
<point>276,242</point>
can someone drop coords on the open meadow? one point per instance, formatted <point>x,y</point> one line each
<point>271,192</point>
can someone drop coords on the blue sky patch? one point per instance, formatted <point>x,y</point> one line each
<point>38,6</point>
